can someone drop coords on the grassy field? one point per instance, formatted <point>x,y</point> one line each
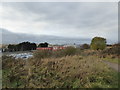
<point>69,68</point>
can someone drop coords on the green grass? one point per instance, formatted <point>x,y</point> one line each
<point>112,60</point>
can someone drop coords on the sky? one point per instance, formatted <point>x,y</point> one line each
<point>65,19</point>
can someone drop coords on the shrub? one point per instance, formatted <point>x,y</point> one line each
<point>85,46</point>
<point>65,52</point>
<point>69,51</point>
<point>42,54</point>
<point>98,43</point>
<point>59,53</point>
<point>112,51</point>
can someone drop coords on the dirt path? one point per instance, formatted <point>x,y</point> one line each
<point>113,65</point>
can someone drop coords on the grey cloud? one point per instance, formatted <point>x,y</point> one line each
<point>85,17</point>
<point>78,14</point>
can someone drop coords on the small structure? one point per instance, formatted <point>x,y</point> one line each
<point>75,46</point>
<point>44,48</point>
<point>54,48</point>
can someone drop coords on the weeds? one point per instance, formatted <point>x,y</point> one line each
<point>66,72</point>
<point>59,53</point>
<point>69,68</point>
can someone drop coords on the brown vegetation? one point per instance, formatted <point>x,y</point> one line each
<point>61,69</point>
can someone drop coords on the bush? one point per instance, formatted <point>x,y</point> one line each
<point>69,51</point>
<point>112,51</point>
<point>42,54</point>
<point>85,46</point>
<point>59,53</point>
<point>98,43</point>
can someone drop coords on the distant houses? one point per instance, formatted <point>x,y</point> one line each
<point>54,48</point>
<point>44,48</point>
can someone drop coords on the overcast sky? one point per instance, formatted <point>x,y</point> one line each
<point>67,19</point>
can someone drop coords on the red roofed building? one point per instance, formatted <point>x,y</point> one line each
<point>54,48</point>
<point>45,48</point>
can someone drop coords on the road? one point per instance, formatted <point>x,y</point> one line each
<point>113,65</point>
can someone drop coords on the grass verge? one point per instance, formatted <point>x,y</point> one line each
<point>112,60</point>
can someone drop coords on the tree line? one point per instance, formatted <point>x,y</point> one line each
<point>25,46</point>
<point>97,43</point>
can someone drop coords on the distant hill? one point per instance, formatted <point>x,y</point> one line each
<point>13,38</point>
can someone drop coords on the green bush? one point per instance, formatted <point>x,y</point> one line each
<point>98,43</point>
<point>69,51</point>
<point>65,52</point>
<point>85,46</point>
<point>42,54</point>
<point>59,53</point>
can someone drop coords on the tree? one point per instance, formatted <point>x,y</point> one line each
<point>24,46</point>
<point>98,43</point>
<point>11,48</point>
<point>43,44</point>
<point>85,46</point>
<point>33,46</point>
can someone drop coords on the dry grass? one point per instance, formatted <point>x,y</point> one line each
<point>69,68</point>
<point>55,54</point>
<point>64,72</point>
